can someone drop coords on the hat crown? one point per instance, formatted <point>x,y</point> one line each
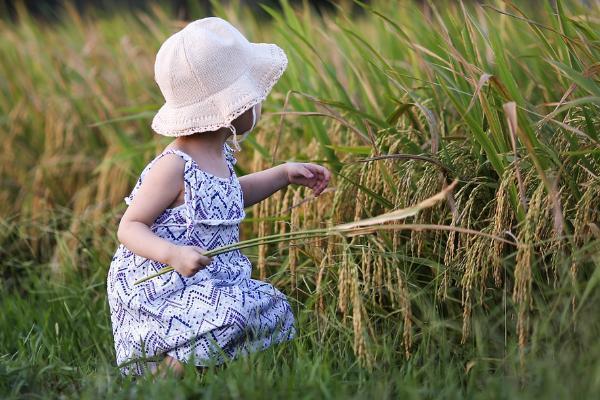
<point>203,58</point>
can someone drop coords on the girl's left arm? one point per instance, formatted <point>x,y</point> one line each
<point>260,185</point>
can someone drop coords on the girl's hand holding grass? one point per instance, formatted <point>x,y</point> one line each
<point>188,260</point>
<point>313,176</point>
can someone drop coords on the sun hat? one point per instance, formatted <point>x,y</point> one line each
<point>209,74</point>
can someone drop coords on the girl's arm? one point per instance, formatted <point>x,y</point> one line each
<point>260,185</point>
<point>159,189</point>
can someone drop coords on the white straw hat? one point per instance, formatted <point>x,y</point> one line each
<point>209,74</point>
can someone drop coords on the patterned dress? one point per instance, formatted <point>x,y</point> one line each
<point>215,315</point>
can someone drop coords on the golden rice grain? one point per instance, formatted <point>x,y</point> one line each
<point>294,225</point>
<point>405,309</point>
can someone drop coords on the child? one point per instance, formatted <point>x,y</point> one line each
<point>188,199</point>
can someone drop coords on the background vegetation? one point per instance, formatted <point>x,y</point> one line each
<point>398,101</point>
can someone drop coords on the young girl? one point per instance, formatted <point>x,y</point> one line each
<point>188,200</point>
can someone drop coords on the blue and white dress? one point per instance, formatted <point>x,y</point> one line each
<point>215,315</point>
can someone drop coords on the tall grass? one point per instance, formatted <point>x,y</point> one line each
<point>397,99</point>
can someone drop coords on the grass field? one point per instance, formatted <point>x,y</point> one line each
<point>492,294</point>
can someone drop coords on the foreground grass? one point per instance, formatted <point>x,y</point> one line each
<point>56,343</point>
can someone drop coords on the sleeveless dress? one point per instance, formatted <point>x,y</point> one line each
<point>215,315</point>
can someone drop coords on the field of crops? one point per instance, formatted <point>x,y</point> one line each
<point>493,292</point>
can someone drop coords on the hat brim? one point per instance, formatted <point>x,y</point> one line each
<point>267,64</point>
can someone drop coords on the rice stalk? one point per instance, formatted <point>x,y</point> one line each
<point>262,248</point>
<point>366,261</point>
<point>524,262</point>
<point>428,184</point>
<point>327,258</point>
<point>586,221</point>
<point>281,225</point>
<point>344,283</point>
<point>475,262</point>
<point>359,318</point>
<point>502,222</point>
<point>293,249</point>
<point>406,310</point>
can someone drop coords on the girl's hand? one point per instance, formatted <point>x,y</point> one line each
<point>188,260</point>
<point>313,176</point>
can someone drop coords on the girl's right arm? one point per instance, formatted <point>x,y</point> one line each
<point>160,187</point>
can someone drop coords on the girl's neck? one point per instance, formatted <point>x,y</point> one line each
<point>203,143</point>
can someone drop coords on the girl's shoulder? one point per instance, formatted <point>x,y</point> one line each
<point>170,162</point>
<point>168,166</point>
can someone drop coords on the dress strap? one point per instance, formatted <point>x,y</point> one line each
<point>229,154</point>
